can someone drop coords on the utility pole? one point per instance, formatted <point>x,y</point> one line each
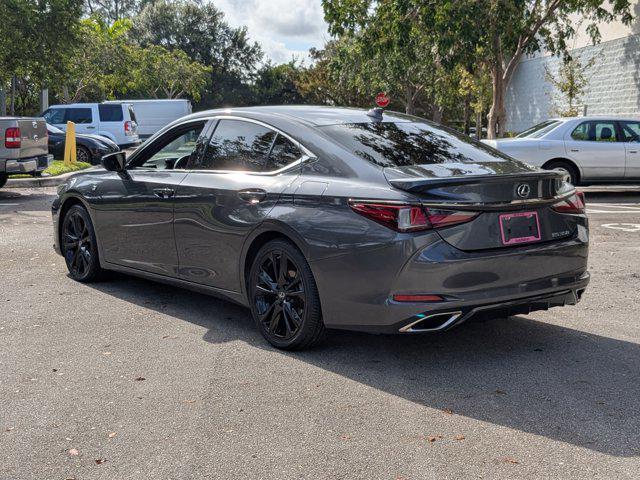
<point>3,102</point>
<point>13,96</point>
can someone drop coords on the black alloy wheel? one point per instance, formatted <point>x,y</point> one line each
<point>78,245</point>
<point>284,297</point>
<point>83,154</point>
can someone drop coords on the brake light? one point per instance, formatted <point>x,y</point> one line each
<point>128,127</point>
<point>410,218</point>
<point>12,137</point>
<point>574,204</point>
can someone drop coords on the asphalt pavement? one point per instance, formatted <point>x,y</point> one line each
<point>128,379</point>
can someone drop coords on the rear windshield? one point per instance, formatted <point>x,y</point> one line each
<point>411,143</point>
<point>110,112</point>
<point>132,113</point>
<point>539,130</point>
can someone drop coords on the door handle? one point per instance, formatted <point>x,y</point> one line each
<point>252,195</point>
<point>91,128</point>
<point>633,151</point>
<point>575,150</point>
<point>164,192</point>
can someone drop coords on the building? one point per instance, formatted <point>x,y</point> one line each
<point>614,77</point>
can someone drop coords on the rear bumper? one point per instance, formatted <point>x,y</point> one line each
<point>26,165</point>
<point>357,291</point>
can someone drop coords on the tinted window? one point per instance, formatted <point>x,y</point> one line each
<point>238,145</point>
<point>110,112</point>
<point>54,115</point>
<point>631,131</point>
<point>283,153</point>
<point>595,131</point>
<point>540,129</point>
<point>132,113</point>
<point>79,115</point>
<point>407,144</point>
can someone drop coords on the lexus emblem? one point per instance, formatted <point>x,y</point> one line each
<point>523,190</point>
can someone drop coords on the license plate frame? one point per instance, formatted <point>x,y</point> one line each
<point>531,219</point>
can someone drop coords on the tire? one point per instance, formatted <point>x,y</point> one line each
<point>83,154</point>
<point>3,179</point>
<point>572,173</point>
<point>285,307</point>
<point>79,247</point>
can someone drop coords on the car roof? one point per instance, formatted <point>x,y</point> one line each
<point>315,115</point>
<point>600,118</point>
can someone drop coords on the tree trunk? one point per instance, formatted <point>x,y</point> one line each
<point>467,114</point>
<point>437,114</point>
<point>409,105</point>
<point>12,110</point>
<point>479,125</point>
<point>497,113</point>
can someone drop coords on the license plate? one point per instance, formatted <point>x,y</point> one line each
<point>519,227</point>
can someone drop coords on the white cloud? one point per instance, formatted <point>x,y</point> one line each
<point>284,28</point>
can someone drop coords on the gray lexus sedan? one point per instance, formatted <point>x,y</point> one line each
<point>322,217</point>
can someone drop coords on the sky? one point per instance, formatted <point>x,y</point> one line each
<point>284,28</point>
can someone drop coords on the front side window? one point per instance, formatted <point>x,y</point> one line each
<point>630,131</point>
<point>79,115</point>
<point>110,112</point>
<point>595,131</point>
<point>54,115</point>
<point>238,145</point>
<point>174,149</point>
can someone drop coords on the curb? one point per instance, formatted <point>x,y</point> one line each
<point>41,181</point>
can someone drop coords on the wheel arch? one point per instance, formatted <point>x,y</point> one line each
<point>66,204</point>
<point>564,160</point>
<point>259,238</point>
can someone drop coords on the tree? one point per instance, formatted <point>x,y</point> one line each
<point>503,31</point>
<point>199,30</point>
<point>37,36</point>
<point>114,10</point>
<point>277,84</point>
<point>570,82</point>
<point>157,72</point>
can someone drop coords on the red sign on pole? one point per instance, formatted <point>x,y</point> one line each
<point>382,100</point>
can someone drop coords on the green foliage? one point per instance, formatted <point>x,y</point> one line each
<point>58,167</point>
<point>570,82</point>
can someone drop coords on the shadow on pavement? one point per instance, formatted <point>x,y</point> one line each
<point>556,382</point>
<point>14,201</point>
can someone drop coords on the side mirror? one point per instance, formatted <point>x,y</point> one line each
<point>114,162</point>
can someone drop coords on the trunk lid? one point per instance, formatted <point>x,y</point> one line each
<point>497,197</point>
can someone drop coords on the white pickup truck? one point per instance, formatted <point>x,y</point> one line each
<point>23,146</point>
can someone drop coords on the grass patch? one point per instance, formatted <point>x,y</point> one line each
<point>57,167</point>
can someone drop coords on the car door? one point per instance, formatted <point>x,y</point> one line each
<point>595,147</point>
<point>134,213</point>
<point>630,132</point>
<point>85,118</point>
<point>230,189</point>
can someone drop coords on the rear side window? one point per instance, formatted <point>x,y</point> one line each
<point>238,145</point>
<point>110,112</point>
<point>283,153</point>
<point>595,131</point>
<point>54,115</point>
<point>79,115</point>
<point>539,130</point>
<point>412,143</point>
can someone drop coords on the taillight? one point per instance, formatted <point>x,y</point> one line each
<point>128,127</point>
<point>12,137</point>
<point>574,204</point>
<point>410,218</point>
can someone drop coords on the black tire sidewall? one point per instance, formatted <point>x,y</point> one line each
<point>573,172</point>
<point>94,265</point>
<point>311,316</point>
<point>3,179</point>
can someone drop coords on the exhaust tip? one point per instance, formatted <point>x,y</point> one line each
<point>431,323</point>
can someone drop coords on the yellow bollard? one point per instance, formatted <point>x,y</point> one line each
<point>70,144</point>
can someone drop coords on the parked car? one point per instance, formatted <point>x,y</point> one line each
<point>117,122</point>
<point>587,149</point>
<point>89,148</point>
<point>152,115</point>
<point>23,146</point>
<point>323,217</point>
